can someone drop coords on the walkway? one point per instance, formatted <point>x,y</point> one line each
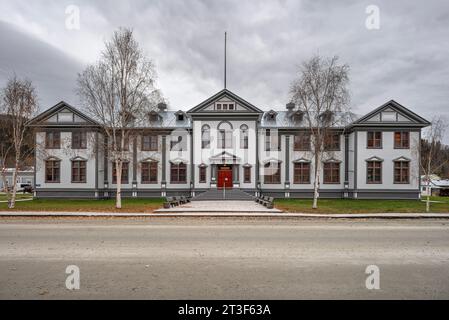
<point>227,206</point>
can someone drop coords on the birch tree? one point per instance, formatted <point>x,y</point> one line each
<point>19,103</point>
<point>433,155</point>
<point>320,92</point>
<point>119,91</point>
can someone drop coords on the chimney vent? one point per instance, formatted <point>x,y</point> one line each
<point>290,106</point>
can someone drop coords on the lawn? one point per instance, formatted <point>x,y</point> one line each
<point>128,205</point>
<point>18,196</point>
<point>362,206</point>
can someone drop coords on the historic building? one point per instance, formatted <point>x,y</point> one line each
<point>226,141</point>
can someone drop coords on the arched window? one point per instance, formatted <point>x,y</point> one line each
<point>225,135</point>
<point>205,137</point>
<point>243,136</point>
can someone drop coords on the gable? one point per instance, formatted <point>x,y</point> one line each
<point>224,102</point>
<point>392,113</point>
<point>62,114</point>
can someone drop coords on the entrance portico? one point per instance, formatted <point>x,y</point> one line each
<point>225,170</point>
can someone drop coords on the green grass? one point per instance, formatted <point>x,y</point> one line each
<point>361,206</point>
<point>18,196</point>
<point>128,205</point>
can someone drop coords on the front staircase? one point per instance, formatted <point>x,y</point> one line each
<point>217,194</point>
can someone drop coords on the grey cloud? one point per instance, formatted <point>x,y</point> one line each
<point>405,60</point>
<point>52,71</point>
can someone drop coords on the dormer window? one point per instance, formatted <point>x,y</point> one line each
<point>297,116</point>
<point>271,115</point>
<point>153,116</point>
<point>180,115</point>
<point>127,117</point>
<point>326,116</point>
<point>225,106</point>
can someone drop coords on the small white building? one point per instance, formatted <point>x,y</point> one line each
<point>24,177</point>
<point>225,141</point>
<point>434,186</point>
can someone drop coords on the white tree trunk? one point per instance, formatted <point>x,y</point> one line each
<point>428,203</point>
<point>316,182</point>
<point>12,203</point>
<point>118,172</point>
<point>5,184</point>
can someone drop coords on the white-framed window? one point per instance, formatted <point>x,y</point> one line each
<point>225,106</point>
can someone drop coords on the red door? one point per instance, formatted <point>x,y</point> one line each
<point>224,177</point>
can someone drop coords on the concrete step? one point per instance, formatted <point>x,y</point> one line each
<point>218,194</point>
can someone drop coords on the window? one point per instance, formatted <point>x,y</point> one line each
<point>374,172</point>
<point>125,169</point>
<point>177,143</point>
<point>401,172</point>
<point>79,171</point>
<point>224,135</point>
<point>178,173</point>
<point>149,142</point>
<point>149,172</point>
<point>52,140</point>
<point>332,142</point>
<point>374,140</point>
<point>79,140</point>
<point>302,142</point>
<point>272,173</point>
<point>401,140</point>
<point>119,143</point>
<point>272,141</point>
<point>331,172</point>
<point>301,172</point>
<point>202,174</point>
<point>247,174</point>
<point>225,106</point>
<point>243,136</point>
<point>180,117</point>
<point>205,137</point>
<point>52,171</point>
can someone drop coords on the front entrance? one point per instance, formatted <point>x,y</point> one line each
<point>224,176</point>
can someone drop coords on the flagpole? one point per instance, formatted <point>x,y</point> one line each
<point>225,61</point>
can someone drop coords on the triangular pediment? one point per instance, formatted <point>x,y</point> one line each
<point>62,114</point>
<point>224,101</point>
<point>392,113</point>
<point>224,155</point>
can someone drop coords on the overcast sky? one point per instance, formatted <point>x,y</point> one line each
<point>406,59</point>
